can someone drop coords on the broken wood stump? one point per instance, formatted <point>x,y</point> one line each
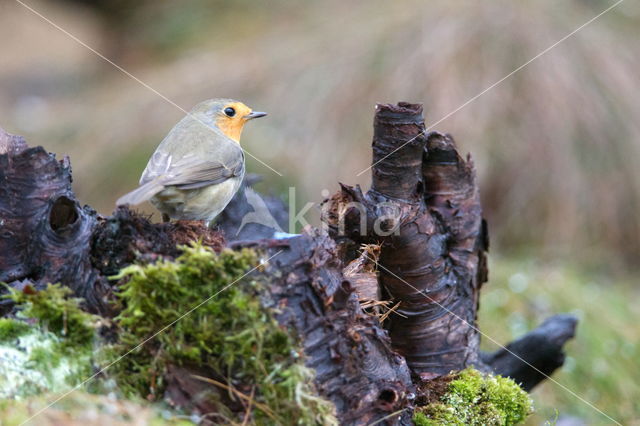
<point>425,266</point>
<point>423,210</point>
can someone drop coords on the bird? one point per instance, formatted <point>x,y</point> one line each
<point>198,167</point>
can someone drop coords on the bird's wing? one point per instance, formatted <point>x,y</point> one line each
<point>195,171</point>
<point>158,165</point>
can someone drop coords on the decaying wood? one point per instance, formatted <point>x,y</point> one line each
<point>537,354</point>
<point>44,233</point>
<point>424,211</point>
<point>424,262</point>
<point>349,350</point>
<point>47,237</point>
<point>423,208</point>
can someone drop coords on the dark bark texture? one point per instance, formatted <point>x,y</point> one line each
<point>47,237</point>
<point>424,211</point>
<point>535,355</point>
<point>423,208</point>
<point>422,218</point>
<point>349,350</point>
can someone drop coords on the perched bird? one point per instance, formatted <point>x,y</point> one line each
<point>199,165</point>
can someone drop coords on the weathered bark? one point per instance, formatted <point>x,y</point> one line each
<point>536,355</point>
<point>423,210</point>
<point>350,352</point>
<point>44,233</point>
<point>47,237</point>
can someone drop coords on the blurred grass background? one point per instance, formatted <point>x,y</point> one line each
<point>601,364</point>
<point>557,145</point>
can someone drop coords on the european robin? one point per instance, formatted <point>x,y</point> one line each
<point>198,167</point>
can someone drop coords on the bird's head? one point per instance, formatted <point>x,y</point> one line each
<point>228,115</point>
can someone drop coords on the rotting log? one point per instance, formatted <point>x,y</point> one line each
<point>348,349</point>
<point>47,237</point>
<point>422,214</point>
<point>535,355</point>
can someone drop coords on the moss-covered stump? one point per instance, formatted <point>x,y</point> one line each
<point>223,354</point>
<point>473,398</point>
<point>288,343</point>
<point>271,332</point>
<point>228,346</point>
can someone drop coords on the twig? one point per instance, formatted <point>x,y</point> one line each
<point>386,417</point>
<point>389,312</point>
<point>239,394</point>
<point>246,414</point>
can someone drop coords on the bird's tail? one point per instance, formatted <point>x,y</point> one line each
<point>141,194</point>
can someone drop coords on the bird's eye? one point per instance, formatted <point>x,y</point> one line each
<point>230,112</point>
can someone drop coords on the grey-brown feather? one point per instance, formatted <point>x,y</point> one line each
<point>141,194</point>
<point>219,158</point>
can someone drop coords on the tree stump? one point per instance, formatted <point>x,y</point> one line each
<point>421,219</point>
<point>423,209</point>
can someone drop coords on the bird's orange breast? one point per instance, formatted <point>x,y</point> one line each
<point>231,128</point>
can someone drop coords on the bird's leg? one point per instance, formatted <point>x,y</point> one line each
<point>165,218</point>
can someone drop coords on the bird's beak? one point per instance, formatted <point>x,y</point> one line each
<point>254,114</point>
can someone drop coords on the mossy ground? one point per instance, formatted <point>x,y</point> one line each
<point>208,320</point>
<point>226,330</point>
<point>473,398</point>
<point>48,347</point>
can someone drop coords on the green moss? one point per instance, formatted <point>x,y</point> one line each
<point>51,352</point>
<point>58,312</point>
<point>474,398</point>
<point>215,321</point>
<point>420,419</point>
<point>11,329</point>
